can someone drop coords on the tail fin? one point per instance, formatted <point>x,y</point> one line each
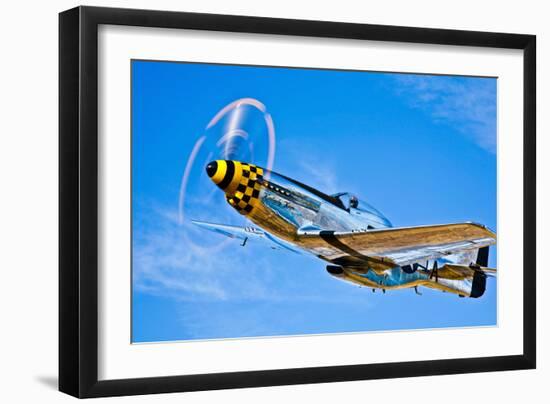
<point>479,283</point>
<point>483,260</point>
<point>483,256</point>
<point>474,277</point>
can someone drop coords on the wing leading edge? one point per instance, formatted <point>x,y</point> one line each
<point>385,248</point>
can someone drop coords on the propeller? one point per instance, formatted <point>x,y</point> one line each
<point>242,130</point>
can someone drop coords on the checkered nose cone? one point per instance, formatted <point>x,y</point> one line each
<point>241,182</point>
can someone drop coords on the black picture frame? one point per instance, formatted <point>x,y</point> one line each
<point>78,201</point>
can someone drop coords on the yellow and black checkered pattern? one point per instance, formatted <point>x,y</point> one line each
<point>247,192</point>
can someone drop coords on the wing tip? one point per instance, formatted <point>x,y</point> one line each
<point>486,228</point>
<point>201,224</point>
<point>492,272</point>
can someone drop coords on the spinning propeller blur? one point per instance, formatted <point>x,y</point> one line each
<point>242,130</point>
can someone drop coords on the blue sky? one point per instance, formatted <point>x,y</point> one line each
<point>420,148</point>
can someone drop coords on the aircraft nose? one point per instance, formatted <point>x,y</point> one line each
<point>241,183</point>
<point>211,168</point>
<point>224,173</point>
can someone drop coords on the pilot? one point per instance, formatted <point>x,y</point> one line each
<point>353,202</point>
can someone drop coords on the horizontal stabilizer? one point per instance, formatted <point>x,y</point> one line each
<point>455,271</point>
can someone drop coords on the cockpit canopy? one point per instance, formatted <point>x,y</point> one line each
<point>352,202</point>
<point>347,199</point>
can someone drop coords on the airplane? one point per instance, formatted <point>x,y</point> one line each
<point>357,241</point>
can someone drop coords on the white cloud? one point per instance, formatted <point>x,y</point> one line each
<point>188,263</point>
<point>305,167</point>
<point>322,177</point>
<point>169,261</point>
<point>467,104</point>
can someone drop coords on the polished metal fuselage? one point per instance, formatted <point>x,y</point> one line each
<point>294,212</point>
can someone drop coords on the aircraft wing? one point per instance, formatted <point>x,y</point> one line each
<point>385,248</point>
<point>245,234</point>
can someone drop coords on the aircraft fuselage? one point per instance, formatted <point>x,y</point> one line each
<point>290,211</point>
